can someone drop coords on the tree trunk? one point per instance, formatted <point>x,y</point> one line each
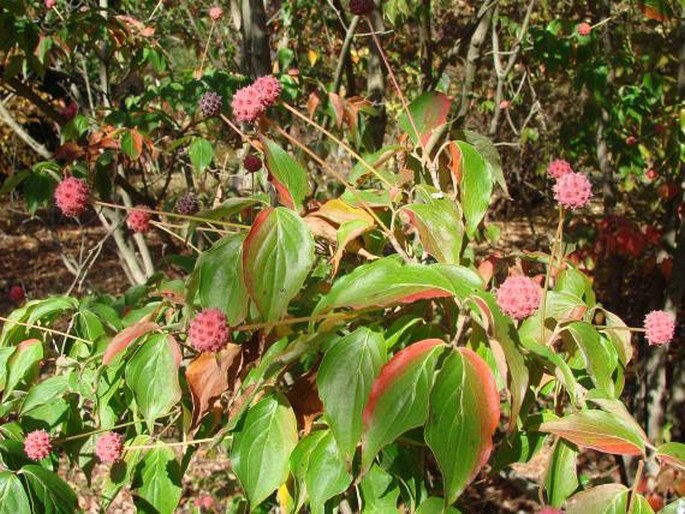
<point>256,53</point>
<point>472,57</point>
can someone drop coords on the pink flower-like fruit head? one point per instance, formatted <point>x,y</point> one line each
<point>659,327</point>
<point>519,297</point>
<point>631,140</point>
<point>252,163</point>
<point>269,89</point>
<point>37,444</point>
<point>139,219</point>
<point>208,332</point>
<point>188,204</point>
<point>573,191</point>
<point>583,29</point>
<point>71,196</point>
<point>247,105</point>
<point>361,7</point>
<point>549,510</point>
<point>109,447</point>
<point>216,12</point>
<point>558,168</point>
<point>50,3</point>
<point>504,104</point>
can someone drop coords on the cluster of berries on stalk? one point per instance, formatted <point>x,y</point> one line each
<point>208,331</point>
<point>251,102</point>
<point>572,190</point>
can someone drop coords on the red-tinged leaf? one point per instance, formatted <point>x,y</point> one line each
<point>598,430</point>
<point>338,108</point>
<point>287,175</point>
<point>603,499</point>
<point>123,339</point>
<point>68,152</point>
<point>278,254</point>
<point>132,143</point>
<point>210,375</point>
<point>313,103</point>
<point>399,397</point>
<point>348,232</point>
<point>672,454</point>
<point>386,282</point>
<point>305,401</point>
<point>455,160</point>
<point>464,414</point>
<point>428,112</point>
<point>175,350</point>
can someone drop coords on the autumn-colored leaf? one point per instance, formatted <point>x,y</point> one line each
<point>209,375</point>
<point>124,338</point>
<point>304,399</point>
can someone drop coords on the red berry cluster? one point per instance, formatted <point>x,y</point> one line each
<point>208,332</point>
<point>361,7</point>
<point>188,204</point>
<point>139,219</point>
<point>110,447</point>
<point>71,196</point>
<point>210,104</point>
<point>519,297</point>
<point>37,445</point>
<point>252,163</point>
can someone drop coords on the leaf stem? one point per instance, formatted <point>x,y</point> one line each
<point>45,329</point>
<point>97,431</point>
<point>179,443</point>
<point>557,239</point>
<point>636,484</point>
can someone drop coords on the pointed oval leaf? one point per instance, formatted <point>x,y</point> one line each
<point>13,499</point>
<point>383,283</point>
<point>157,483</point>
<point>439,227</point>
<point>428,113</point>
<point>327,473</point>
<point>49,493</point>
<point>598,430</point>
<point>399,397</point>
<point>209,375</point>
<point>123,339</point>
<point>434,505</point>
<point>601,359</point>
<point>23,364</point>
<point>262,447</point>
<point>289,176</point>
<point>219,278</point>
<point>475,189</point>
<point>152,375</point>
<point>672,454</point>
<point>201,153</point>
<point>603,499</point>
<point>464,413</point>
<point>561,477</point>
<point>277,256</point>
<point>345,376</point>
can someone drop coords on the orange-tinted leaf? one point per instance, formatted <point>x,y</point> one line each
<point>598,430</point>
<point>304,399</point>
<point>338,108</point>
<point>672,454</point>
<point>428,112</point>
<point>399,397</point>
<point>209,375</point>
<point>339,211</point>
<point>124,338</point>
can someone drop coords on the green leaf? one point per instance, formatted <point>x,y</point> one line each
<point>38,190</point>
<point>475,188</point>
<point>132,143</point>
<point>49,493</point>
<point>326,474</point>
<point>386,282</point>
<point>561,478</point>
<point>157,484</point>
<point>122,472</point>
<point>201,153</point>
<point>504,338</point>
<point>379,492</point>
<point>45,392</point>
<point>13,499</point>
<point>435,505</point>
<point>219,275</point>
<point>439,226</point>
<point>675,507</point>
<point>345,376</point>
<point>277,257</point>
<point>672,454</point>
<point>489,152</point>
<point>428,113</point>
<point>599,355</point>
<point>262,447</point>
<point>399,397</point>
<point>598,430</point>
<point>464,413</point>
<point>23,364</point>
<point>641,505</point>
<point>375,159</point>
<point>289,177</point>
<point>299,464</point>
<point>603,499</point>
<point>152,375</point>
